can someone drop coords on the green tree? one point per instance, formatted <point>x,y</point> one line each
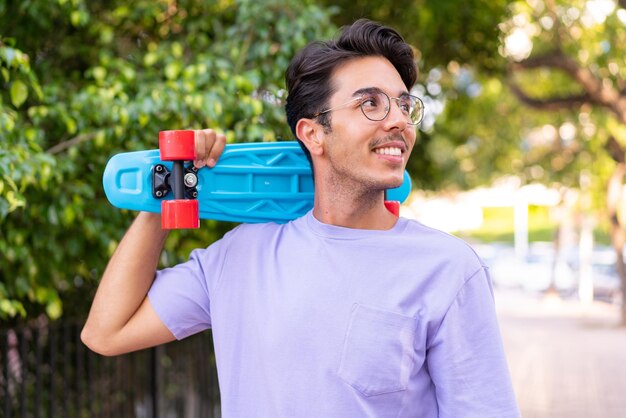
<point>566,58</point>
<point>441,31</point>
<point>82,81</point>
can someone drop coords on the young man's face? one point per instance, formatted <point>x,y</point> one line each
<point>369,154</point>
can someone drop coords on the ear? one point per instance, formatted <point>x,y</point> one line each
<point>311,134</point>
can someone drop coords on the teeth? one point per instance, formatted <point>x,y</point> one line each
<point>389,151</point>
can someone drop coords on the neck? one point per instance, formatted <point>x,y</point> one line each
<point>346,206</point>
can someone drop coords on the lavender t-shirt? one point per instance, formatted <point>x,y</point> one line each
<point>314,320</point>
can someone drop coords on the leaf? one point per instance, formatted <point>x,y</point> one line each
<point>15,201</point>
<point>99,73</point>
<point>9,55</point>
<point>177,50</point>
<point>143,119</point>
<point>172,70</point>
<point>150,59</point>
<point>7,308</point>
<point>54,309</point>
<point>19,93</point>
<point>70,125</point>
<point>75,18</point>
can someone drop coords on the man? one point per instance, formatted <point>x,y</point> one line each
<point>348,311</point>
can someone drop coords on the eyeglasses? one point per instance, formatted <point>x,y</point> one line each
<point>376,105</point>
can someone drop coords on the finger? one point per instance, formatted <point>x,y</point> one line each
<point>199,146</point>
<point>203,140</point>
<point>216,150</point>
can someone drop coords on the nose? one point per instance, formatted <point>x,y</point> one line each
<point>396,119</point>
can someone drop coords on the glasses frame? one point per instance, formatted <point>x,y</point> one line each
<point>418,102</point>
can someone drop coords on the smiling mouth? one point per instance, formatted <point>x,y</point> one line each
<point>389,151</point>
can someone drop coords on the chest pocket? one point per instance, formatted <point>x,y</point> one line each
<point>377,355</point>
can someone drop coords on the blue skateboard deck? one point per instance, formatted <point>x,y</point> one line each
<point>252,182</point>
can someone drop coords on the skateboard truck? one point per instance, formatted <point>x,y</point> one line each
<point>162,179</point>
<point>182,211</point>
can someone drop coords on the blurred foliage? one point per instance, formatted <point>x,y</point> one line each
<point>590,34</point>
<point>81,81</point>
<point>441,31</point>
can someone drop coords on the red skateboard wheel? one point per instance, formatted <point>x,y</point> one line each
<point>393,206</point>
<point>180,214</point>
<point>177,145</point>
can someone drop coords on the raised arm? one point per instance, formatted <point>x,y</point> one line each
<point>121,318</point>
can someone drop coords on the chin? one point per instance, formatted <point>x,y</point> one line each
<point>392,183</point>
<point>397,179</point>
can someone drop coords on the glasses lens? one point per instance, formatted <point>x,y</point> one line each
<point>417,110</point>
<point>375,106</point>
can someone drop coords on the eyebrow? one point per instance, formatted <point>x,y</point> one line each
<point>374,90</point>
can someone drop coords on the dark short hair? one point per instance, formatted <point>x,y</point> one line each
<point>309,73</point>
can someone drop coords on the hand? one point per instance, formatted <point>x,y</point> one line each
<point>209,147</point>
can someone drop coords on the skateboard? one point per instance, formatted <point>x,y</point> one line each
<point>251,182</point>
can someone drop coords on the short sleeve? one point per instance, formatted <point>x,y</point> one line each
<point>181,295</point>
<point>466,357</point>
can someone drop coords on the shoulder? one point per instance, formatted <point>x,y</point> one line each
<point>245,237</point>
<point>440,244</point>
<point>249,230</point>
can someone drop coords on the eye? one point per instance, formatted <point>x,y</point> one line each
<point>405,105</point>
<point>370,102</point>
